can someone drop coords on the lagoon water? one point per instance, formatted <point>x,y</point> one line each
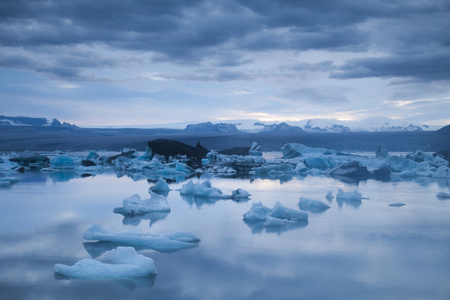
<point>354,250</point>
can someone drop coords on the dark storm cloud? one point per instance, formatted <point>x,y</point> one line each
<point>192,32</point>
<point>421,67</point>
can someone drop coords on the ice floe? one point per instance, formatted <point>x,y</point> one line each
<point>169,242</point>
<point>311,205</point>
<point>133,205</point>
<point>277,219</point>
<point>160,187</point>
<point>122,263</point>
<point>202,189</point>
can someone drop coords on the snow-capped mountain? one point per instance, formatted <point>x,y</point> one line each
<point>281,128</point>
<point>29,121</point>
<point>210,127</point>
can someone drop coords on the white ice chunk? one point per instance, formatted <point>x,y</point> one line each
<point>201,189</point>
<point>240,194</point>
<point>291,150</point>
<point>135,206</point>
<point>124,263</point>
<point>282,212</point>
<point>255,150</point>
<point>442,172</point>
<point>160,187</point>
<point>272,221</point>
<point>423,169</point>
<point>348,195</point>
<point>64,162</point>
<point>329,195</point>
<point>160,242</point>
<point>312,205</point>
<point>260,213</point>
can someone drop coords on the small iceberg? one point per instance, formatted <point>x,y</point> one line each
<point>169,242</point>
<point>202,189</point>
<point>314,206</point>
<point>160,187</point>
<point>123,263</point>
<point>355,196</point>
<point>277,219</point>
<point>135,206</point>
<point>240,194</point>
<point>260,213</point>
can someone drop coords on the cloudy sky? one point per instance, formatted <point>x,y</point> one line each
<point>114,62</point>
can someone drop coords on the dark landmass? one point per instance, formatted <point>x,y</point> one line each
<point>49,138</point>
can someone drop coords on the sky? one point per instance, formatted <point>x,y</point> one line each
<point>136,62</point>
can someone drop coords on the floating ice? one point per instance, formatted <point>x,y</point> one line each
<point>259,213</point>
<point>201,189</point>
<point>255,150</point>
<point>348,195</point>
<point>135,206</point>
<point>160,187</point>
<point>240,194</point>
<point>442,195</point>
<point>125,263</point>
<point>397,204</point>
<point>169,242</point>
<point>64,162</point>
<point>329,195</point>
<point>8,181</point>
<point>291,150</point>
<point>312,205</point>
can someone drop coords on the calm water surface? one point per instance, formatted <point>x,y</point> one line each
<point>354,250</point>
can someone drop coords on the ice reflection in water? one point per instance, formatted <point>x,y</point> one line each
<point>350,251</point>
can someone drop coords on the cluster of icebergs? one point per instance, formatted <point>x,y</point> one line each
<point>116,251</point>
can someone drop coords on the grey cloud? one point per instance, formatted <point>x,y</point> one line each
<point>192,32</point>
<point>422,67</point>
<point>314,96</point>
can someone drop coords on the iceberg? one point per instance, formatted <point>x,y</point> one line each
<point>329,195</point>
<point>124,263</point>
<point>356,196</point>
<point>277,219</point>
<point>201,189</point>
<point>255,150</point>
<point>292,150</point>
<point>240,194</point>
<point>161,187</point>
<point>259,213</point>
<point>312,205</point>
<point>64,162</point>
<point>169,242</point>
<point>135,206</point>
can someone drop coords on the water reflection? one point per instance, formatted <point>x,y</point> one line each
<point>129,284</point>
<point>135,220</point>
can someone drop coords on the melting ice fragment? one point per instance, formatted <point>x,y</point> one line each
<point>259,213</point>
<point>124,263</point>
<point>312,205</point>
<point>354,196</point>
<point>201,189</point>
<point>161,187</point>
<point>169,242</point>
<point>240,194</point>
<point>135,206</point>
